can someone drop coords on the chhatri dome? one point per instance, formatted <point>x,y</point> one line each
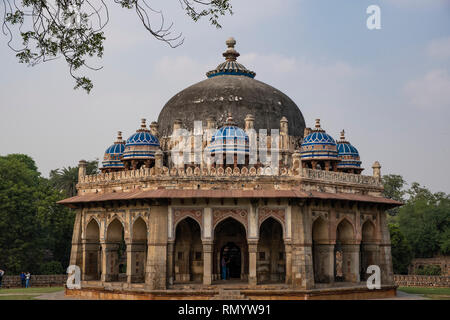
<point>230,138</point>
<point>349,155</point>
<point>231,87</point>
<point>140,148</point>
<point>319,149</point>
<point>112,158</point>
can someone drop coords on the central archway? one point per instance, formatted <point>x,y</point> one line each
<point>230,241</point>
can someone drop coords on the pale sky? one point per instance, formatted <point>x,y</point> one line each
<point>389,89</point>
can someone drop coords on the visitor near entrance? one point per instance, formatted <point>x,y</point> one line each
<point>27,279</point>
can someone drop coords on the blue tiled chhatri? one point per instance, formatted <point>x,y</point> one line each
<point>318,145</point>
<point>229,138</point>
<point>348,154</point>
<point>112,157</point>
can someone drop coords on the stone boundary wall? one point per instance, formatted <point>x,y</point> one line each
<point>54,280</point>
<point>422,281</point>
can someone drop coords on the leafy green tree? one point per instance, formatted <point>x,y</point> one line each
<point>401,250</point>
<point>73,29</point>
<point>393,189</point>
<point>425,221</point>
<point>34,230</point>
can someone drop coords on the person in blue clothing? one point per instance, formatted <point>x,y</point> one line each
<point>22,279</point>
<point>224,268</point>
<point>27,279</point>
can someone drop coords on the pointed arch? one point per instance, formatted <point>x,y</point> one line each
<point>345,231</point>
<point>92,230</point>
<point>139,230</point>
<point>271,258</point>
<point>115,230</point>
<point>320,230</point>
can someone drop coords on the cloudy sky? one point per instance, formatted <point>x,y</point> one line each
<point>389,88</point>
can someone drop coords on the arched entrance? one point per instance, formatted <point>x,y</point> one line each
<point>92,253</point>
<point>345,259</point>
<point>188,252</point>
<point>323,252</point>
<point>232,255</point>
<point>116,253</point>
<point>230,242</point>
<point>368,248</point>
<point>271,262</point>
<point>138,251</point>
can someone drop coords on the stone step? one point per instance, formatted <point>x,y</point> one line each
<point>229,294</point>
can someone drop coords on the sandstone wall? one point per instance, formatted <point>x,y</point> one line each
<point>422,281</point>
<point>58,280</point>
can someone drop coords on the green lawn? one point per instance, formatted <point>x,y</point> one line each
<point>26,293</point>
<point>31,290</point>
<point>432,293</point>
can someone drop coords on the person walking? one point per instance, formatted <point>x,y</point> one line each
<point>22,279</point>
<point>1,277</point>
<point>27,279</point>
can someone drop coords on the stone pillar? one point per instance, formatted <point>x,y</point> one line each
<point>81,169</point>
<point>156,276</point>
<point>384,252</point>
<point>207,262</point>
<point>324,263</point>
<point>288,253</point>
<point>90,259</point>
<point>76,252</point>
<point>376,170</point>
<point>369,256</point>
<point>252,252</point>
<point>110,265</point>
<point>136,261</point>
<point>350,259</point>
<point>302,267</point>
<point>170,262</point>
<point>154,128</point>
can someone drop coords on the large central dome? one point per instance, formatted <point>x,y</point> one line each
<point>231,88</point>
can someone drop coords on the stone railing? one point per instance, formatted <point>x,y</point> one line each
<point>320,175</point>
<point>339,177</point>
<point>56,280</point>
<point>422,281</point>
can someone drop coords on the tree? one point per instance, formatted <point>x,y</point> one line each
<point>401,250</point>
<point>35,232</point>
<point>73,29</point>
<point>393,189</point>
<point>425,221</point>
<point>66,179</point>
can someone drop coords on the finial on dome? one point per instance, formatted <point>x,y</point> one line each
<point>230,121</point>
<point>343,135</point>
<point>317,123</point>
<point>119,138</point>
<point>231,54</point>
<point>143,123</point>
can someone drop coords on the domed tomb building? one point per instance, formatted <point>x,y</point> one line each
<point>230,189</point>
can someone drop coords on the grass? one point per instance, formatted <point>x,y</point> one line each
<point>38,290</point>
<point>18,297</point>
<point>431,293</point>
